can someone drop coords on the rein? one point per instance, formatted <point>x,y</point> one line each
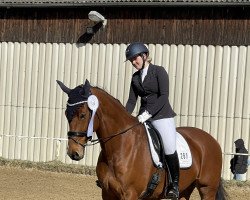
<point>72,134</point>
<point>96,141</point>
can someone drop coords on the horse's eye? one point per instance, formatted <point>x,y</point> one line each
<point>82,116</point>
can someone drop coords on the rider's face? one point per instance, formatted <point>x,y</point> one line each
<point>137,61</point>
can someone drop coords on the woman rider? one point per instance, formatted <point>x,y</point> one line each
<point>151,83</point>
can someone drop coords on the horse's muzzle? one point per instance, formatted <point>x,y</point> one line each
<point>75,156</point>
<point>76,149</point>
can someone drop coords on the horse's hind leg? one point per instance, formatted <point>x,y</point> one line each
<point>207,193</point>
<point>208,187</point>
<point>185,194</point>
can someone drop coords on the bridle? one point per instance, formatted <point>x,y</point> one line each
<point>72,134</point>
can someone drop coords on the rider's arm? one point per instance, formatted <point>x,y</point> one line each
<point>132,99</point>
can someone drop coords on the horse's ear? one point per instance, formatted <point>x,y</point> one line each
<point>63,87</point>
<point>87,83</point>
<point>87,87</point>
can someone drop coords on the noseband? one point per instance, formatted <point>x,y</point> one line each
<point>77,134</point>
<point>72,134</point>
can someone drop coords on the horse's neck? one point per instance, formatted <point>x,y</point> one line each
<point>113,116</point>
<point>121,136</point>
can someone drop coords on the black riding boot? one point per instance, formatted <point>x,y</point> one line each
<point>172,161</point>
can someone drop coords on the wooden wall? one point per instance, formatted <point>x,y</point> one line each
<point>163,25</point>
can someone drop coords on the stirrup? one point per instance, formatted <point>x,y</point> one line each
<point>171,193</point>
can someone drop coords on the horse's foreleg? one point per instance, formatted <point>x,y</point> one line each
<point>111,187</point>
<point>130,195</point>
<point>108,195</point>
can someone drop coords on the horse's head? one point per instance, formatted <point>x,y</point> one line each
<point>81,106</point>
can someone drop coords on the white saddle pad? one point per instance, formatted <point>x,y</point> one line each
<point>183,150</point>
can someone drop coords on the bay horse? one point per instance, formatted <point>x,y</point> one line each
<point>124,166</point>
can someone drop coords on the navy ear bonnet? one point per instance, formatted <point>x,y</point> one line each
<point>76,95</point>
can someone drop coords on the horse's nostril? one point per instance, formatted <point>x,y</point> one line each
<point>75,156</point>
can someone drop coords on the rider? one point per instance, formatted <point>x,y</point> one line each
<point>151,83</point>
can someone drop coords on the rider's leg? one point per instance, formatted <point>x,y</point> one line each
<point>173,165</point>
<point>167,129</point>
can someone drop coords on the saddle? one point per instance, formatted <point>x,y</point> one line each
<point>158,156</point>
<point>157,149</point>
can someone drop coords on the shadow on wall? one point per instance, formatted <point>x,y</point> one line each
<point>90,32</point>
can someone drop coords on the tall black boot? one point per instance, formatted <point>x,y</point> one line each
<point>172,161</point>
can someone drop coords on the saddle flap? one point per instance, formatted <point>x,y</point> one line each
<point>155,145</point>
<point>156,139</point>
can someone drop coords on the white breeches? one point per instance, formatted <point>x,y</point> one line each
<point>167,130</point>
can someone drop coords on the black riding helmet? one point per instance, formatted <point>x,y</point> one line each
<point>135,49</point>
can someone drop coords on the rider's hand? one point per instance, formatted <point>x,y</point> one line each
<point>144,116</point>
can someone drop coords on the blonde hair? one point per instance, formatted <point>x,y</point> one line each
<point>149,59</point>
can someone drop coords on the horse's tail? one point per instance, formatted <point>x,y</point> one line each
<point>221,193</point>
